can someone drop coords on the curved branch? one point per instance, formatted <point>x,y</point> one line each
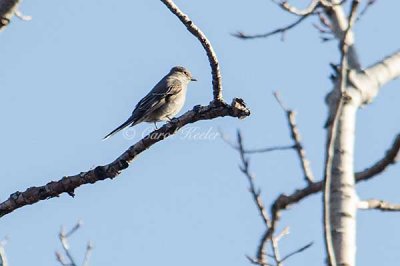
<point>381,165</point>
<point>68,184</point>
<point>212,57</point>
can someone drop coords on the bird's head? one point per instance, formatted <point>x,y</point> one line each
<point>182,72</point>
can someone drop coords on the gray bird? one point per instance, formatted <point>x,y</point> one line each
<point>163,102</point>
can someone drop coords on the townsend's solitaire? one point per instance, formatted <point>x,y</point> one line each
<point>163,102</point>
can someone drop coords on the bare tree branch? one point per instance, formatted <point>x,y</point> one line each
<point>268,235</point>
<point>88,252</point>
<point>212,57</point>
<point>65,245</point>
<point>68,184</point>
<point>296,137</point>
<point>366,8</point>
<point>276,253</point>
<point>269,149</point>
<point>390,157</point>
<point>63,236</point>
<point>254,192</point>
<point>252,151</point>
<point>269,224</point>
<point>297,251</point>
<point>378,205</point>
<point>283,233</point>
<point>283,30</point>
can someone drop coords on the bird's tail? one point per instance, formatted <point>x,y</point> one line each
<point>125,124</point>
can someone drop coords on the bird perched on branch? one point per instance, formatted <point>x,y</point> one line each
<point>163,102</point>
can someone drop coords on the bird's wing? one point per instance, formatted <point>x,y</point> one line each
<point>156,97</point>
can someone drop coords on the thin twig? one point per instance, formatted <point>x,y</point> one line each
<point>297,251</point>
<point>244,36</point>
<point>234,146</point>
<point>63,236</point>
<point>269,149</point>
<point>275,215</point>
<point>89,248</point>
<point>275,252</point>
<point>283,233</point>
<point>64,243</point>
<point>60,258</point>
<point>365,9</point>
<point>73,229</point>
<point>269,223</point>
<point>296,137</point>
<point>254,192</point>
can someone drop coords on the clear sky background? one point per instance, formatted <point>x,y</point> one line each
<point>78,68</point>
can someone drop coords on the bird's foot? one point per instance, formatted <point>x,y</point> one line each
<point>172,120</point>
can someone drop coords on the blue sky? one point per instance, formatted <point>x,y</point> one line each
<point>76,71</point>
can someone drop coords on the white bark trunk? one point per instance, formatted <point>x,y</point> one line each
<point>362,86</point>
<point>343,199</point>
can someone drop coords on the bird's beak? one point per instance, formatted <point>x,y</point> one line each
<point>193,79</point>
